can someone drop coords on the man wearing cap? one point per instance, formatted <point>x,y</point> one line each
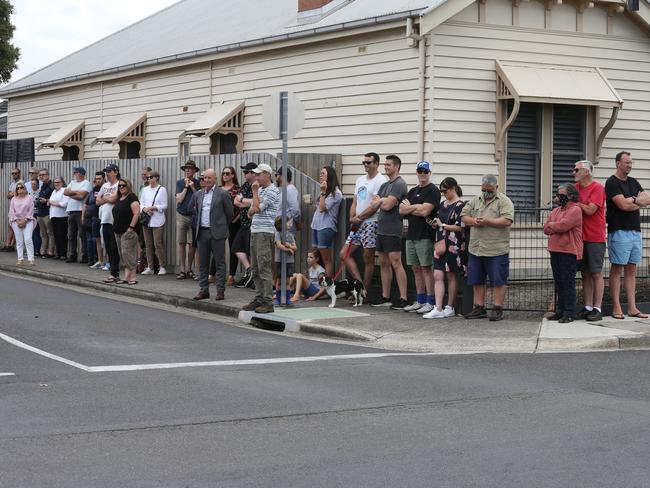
<point>185,188</point>
<point>106,198</point>
<point>76,191</point>
<point>213,208</point>
<point>241,245</point>
<point>420,203</point>
<point>263,210</point>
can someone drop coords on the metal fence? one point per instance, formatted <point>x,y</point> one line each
<point>170,172</point>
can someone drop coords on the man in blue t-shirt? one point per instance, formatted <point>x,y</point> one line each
<point>185,188</point>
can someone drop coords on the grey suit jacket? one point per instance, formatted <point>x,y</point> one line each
<point>221,212</point>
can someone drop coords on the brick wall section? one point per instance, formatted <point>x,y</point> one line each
<point>305,5</point>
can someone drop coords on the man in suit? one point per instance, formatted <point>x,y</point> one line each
<point>213,208</point>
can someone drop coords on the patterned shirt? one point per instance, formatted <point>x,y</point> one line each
<point>246,193</point>
<point>264,221</point>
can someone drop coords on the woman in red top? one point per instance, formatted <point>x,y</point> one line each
<point>564,228</point>
<point>230,183</point>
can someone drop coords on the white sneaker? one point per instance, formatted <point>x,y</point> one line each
<point>426,308</point>
<point>414,307</point>
<point>97,265</point>
<point>161,271</point>
<point>449,311</point>
<point>147,271</point>
<point>106,267</point>
<point>434,314</point>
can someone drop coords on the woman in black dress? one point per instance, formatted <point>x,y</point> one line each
<point>125,221</point>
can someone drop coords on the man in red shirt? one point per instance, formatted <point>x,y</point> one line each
<point>592,203</point>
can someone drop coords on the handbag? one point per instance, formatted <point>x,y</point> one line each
<point>144,218</point>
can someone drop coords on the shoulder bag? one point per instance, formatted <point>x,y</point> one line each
<point>144,217</point>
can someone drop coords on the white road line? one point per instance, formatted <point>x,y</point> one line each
<point>7,374</point>
<point>40,352</point>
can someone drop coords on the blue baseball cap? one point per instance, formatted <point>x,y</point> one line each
<point>424,165</point>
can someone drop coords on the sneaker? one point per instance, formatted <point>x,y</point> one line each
<point>426,308</point>
<point>400,304</point>
<point>246,279</point>
<point>497,314</point>
<point>264,308</point>
<point>97,265</point>
<point>106,267</point>
<point>478,312</point>
<point>19,262</point>
<point>147,271</point>
<point>581,315</point>
<point>251,306</point>
<point>449,311</point>
<point>413,307</point>
<point>32,263</point>
<point>594,316</point>
<point>381,302</point>
<point>161,271</point>
<point>434,314</point>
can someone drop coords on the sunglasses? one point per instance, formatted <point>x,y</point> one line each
<point>365,163</point>
<point>20,188</point>
<point>423,172</point>
<point>121,186</point>
<point>575,170</point>
<point>226,173</point>
<point>14,174</point>
<point>151,177</point>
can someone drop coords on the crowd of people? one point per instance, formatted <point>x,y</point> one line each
<point>111,225</point>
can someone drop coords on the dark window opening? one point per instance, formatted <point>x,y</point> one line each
<point>223,143</point>
<point>524,156</point>
<point>70,153</point>
<point>130,150</point>
<point>569,138</point>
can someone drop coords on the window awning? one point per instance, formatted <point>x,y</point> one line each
<point>68,134</point>
<point>130,126</point>
<point>555,84</point>
<point>227,115</point>
<point>549,84</point>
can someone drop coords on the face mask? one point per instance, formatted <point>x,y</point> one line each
<point>563,200</point>
<point>488,195</point>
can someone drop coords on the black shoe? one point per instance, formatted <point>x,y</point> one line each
<point>400,304</point>
<point>555,316</point>
<point>594,316</point>
<point>582,314</point>
<point>246,279</point>
<point>497,314</point>
<point>478,312</point>
<point>381,302</point>
<point>565,319</point>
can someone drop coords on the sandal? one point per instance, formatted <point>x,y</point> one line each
<point>120,282</point>
<point>110,279</point>
<point>638,315</point>
<point>618,316</point>
<point>190,274</point>
<point>133,282</point>
<point>181,276</point>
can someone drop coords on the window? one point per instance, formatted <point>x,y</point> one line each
<point>184,150</point>
<point>224,143</point>
<point>129,150</point>
<point>70,153</point>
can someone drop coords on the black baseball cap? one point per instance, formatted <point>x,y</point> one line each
<point>249,167</point>
<point>112,167</point>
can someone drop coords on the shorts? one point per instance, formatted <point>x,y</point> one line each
<point>419,252</point>
<point>365,236</point>
<point>593,256</point>
<point>624,247</point>
<point>389,244</point>
<point>242,241</point>
<point>311,291</point>
<point>183,227</point>
<point>496,268</point>
<point>322,239</point>
<point>278,270</point>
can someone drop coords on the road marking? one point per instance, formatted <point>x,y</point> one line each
<point>40,352</point>
<point>7,374</point>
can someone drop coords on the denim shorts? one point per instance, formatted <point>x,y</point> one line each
<point>322,239</point>
<point>311,291</point>
<point>624,247</point>
<point>495,267</point>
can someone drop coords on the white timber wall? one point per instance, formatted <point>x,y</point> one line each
<point>360,94</point>
<point>464,117</point>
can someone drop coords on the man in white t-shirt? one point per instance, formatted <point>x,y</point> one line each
<point>363,220</point>
<point>105,200</point>
<point>76,191</point>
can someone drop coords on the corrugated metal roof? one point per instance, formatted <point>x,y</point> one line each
<point>195,27</point>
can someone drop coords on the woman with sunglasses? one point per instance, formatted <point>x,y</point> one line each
<point>324,222</point>
<point>154,203</point>
<point>126,212</point>
<point>230,183</point>
<point>59,217</point>
<point>454,258</point>
<point>21,219</point>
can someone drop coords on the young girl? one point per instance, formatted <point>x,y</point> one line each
<point>284,245</point>
<point>308,285</point>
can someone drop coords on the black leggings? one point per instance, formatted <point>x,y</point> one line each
<point>60,228</point>
<point>111,249</point>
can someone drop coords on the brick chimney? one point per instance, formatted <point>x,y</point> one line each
<point>305,5</point>
<point>314,10</point>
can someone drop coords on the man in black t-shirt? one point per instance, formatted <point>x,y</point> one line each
<point>625,197</point>
<point>421,202</point>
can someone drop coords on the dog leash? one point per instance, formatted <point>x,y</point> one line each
<point>347,255</point>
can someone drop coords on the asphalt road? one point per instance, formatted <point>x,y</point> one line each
<point>115,395</point>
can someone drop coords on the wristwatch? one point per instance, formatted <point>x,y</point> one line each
<point>634,200</point>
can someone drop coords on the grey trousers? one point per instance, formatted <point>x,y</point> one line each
<point>74,233</point>
<point>262,266</point>
<point>48,244</point>
<point>217,248</point>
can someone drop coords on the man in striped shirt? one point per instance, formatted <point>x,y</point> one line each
<point>266,200</point>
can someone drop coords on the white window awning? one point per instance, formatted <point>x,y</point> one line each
<point>225,115</point>
<point>555,84</point>
<point>68,134</point>
<point>128,127</point>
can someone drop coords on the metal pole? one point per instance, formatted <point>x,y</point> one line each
<point>284,129</point>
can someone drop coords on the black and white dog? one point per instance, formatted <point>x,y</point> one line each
<point>344,288</point>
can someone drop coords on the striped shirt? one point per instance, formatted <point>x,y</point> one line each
<point>264,221</point>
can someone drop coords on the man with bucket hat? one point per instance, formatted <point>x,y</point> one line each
<point>185,188</point>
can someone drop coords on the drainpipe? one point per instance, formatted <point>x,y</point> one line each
<point>432,98</point>
<point>420,41</point>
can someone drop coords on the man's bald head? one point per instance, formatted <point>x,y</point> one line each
<point>209,177</point>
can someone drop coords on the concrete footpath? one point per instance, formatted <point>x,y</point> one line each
<point>376,327</point>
